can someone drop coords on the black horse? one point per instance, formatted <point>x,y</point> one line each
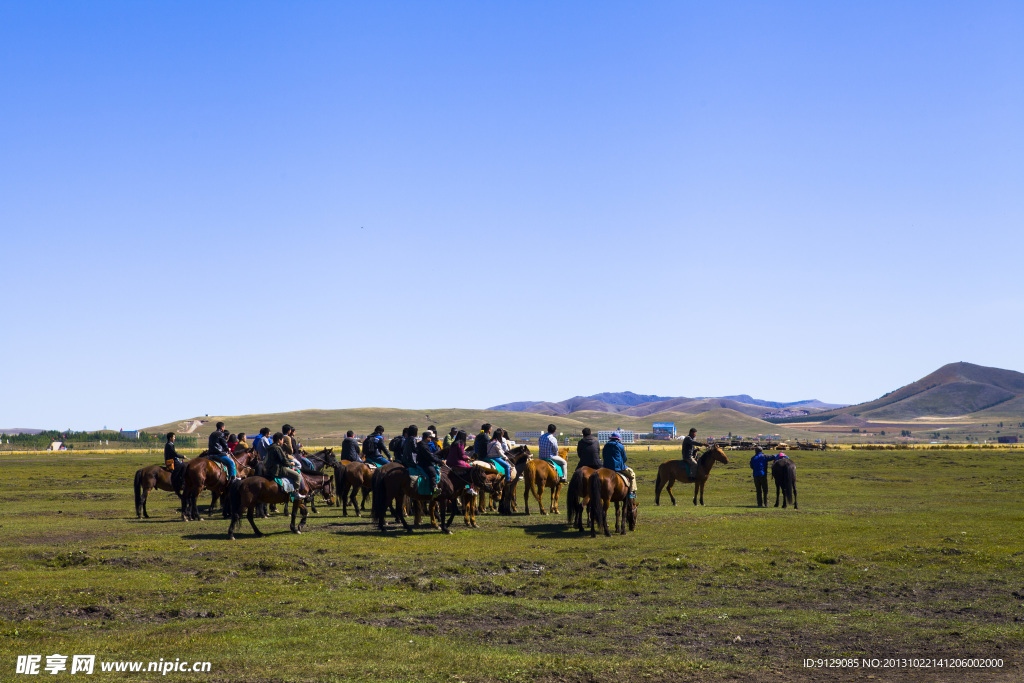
<point>784,475</point>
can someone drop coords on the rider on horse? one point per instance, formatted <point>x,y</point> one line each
<point>374,450</point>
<point>498,450</point>
<point>548,447</point>
<point>171,458</point>
<point>589,450</point>
<point>482,440</point>
<point>428,457</point>
<point>457,458</point>
<point>281,465</point>
<point>450,437</point>
<point>218,450</point>
<point>350,448</point>
<point>262,443</point>
<point>614,456</point>
<point>690,452</point>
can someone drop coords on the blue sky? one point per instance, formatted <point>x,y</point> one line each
<point>229,208</point>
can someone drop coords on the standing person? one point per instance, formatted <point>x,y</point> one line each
<point>280,465</point>
<point>614,456</point>
<point>218,450</point>
<point>483,440</point>
<point>262,443</point>
<point>589,450</point>
<point>759,464</point>
<point>450,437</point>
<point>548,450</point>
<point>350,448</point>
<point>690,446</point>
<point>374,450</point>
<point>171,458</point>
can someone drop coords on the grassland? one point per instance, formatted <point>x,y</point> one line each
<point>894,553</point>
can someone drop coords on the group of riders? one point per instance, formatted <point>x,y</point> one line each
<point>282,457</point>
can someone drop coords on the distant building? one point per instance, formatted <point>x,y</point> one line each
<point>525,436</point>
<point>664,430</point>
<point>628,436</point>
<point>129,434</point>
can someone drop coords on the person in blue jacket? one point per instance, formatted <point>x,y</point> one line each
<point>759,463</point>
<point>614,457</point>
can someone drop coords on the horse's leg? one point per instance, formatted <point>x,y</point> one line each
<point>696,490</point>
<point>777,488</point>
<point>446,521</point>
<point>668,488</point>
<point>793,484</point>
<point>605,520</point>
<point>554,497</point>
<point>252,522</point>
<point>434,507</point>
<point>302,522</point>
<point>400,511</point>
<point>145,497</point>
<point>702,482</point>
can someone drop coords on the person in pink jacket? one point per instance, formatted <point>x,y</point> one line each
<point>457,453</point>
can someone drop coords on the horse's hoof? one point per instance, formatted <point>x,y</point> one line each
<point>449,532</point>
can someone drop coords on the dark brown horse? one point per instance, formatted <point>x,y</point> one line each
<point>313,484</point>
<point>353,477</point>
<point>394,485</point>
<point>784,475</point>
<point>519,456</point>
<point>149,478</point>
<point>675,470</point>
<point>607,487</point>
<point>462,479</point>
<point>201,474</point>
<point>246,494</point>
<point>579,496</point>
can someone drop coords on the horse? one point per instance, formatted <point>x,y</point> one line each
<point>520,456</point>
<point>608,487</point>
<point>579,496</point>
<point>352,477</point>
<point>247,493</point>
<point>149,478</point>
<point>204,473</point>
<point>784,476</point>
<point>675,470</point>
<point>314,484</point>
<point>321,459</point>
<point>539,475</point>
<point>462,479</point>
<point>394,485</point>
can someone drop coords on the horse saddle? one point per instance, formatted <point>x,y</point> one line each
<point>556,466</point>
<point>285,483</point>
<point>418,480</point>
<point>625,480</point>
<point>222,466</point>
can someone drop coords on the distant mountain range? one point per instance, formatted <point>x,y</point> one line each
<point>954,390</point>
<point>20,430</point>
<point>641,405</point>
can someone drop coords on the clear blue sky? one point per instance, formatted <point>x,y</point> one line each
<point>241,207</point>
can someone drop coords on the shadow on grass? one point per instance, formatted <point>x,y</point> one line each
<point>554,530</point>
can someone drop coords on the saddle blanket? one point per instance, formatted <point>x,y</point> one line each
<point>418,478</point>
<point>486,466</point>
<point>625,480</point>
<point>558,467</point>
<point>285,483</point>
<point>501,468</point>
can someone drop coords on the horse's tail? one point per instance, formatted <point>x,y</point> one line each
<point>787,482</point>
<point>573,506</point>
<point>138,491</point>
<point>657,488</point>
<point>596,504</point>
<point>379,509</point>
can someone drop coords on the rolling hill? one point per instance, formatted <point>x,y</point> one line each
<point>640,405</point>
<point>961,390</point>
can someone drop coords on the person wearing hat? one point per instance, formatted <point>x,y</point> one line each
<point>614,456</point>
<point>759,464</point>
<point>690,446</point>
<point>428,457</point>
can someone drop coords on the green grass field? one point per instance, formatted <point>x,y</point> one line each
<point>891,554</point>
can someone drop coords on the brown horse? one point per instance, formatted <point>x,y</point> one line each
<point>313,484</point>
<point>520,456</point>
<point>784,475</point>
<point>246,494</point>
<point>608,487</point>
<point>353,477</point>
<point>579,497</point>
<point>675,470</point>
<point>149,478</point>
<point>203,473</point>
<point>395,485</point>
<point>462,479</point>
<point>540,475</point>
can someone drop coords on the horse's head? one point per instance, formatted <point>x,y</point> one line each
<point>328,490</point>
<point>715,453</point>
<point>327,455</point>
<point>519,454</point>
